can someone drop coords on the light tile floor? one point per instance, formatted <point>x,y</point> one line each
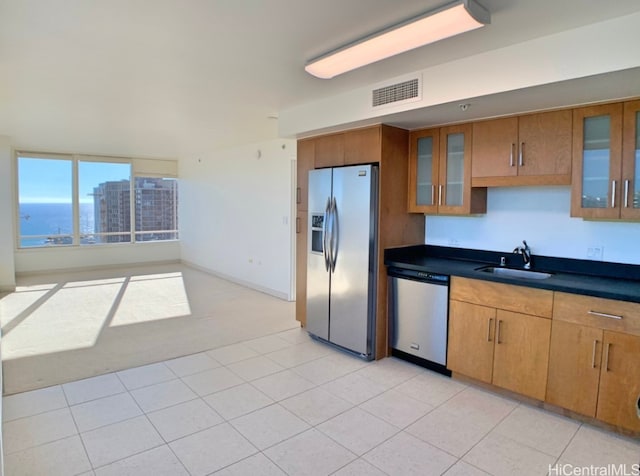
<point>59,328</point>
<point>285,404</point>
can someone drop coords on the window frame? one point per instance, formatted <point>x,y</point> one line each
<point>143,168</point>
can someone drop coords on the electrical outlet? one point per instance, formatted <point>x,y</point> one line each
<point>595,252</point>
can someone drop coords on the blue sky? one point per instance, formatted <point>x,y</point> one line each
<point>50,180</point>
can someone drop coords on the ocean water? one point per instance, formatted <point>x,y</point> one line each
<point>50,219</point>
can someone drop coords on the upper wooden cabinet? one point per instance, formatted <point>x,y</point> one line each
<point>424,159</point>
<point>440,172</point>
<point>630,205</point>
<point>362,146</point>
<point>329,151</point>
<point>606,161</point>
<point>533,149</point>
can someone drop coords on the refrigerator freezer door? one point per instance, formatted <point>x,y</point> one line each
<point>352,283</point>
<point>318,283</point>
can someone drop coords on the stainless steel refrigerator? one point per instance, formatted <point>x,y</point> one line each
<point>342,257</point>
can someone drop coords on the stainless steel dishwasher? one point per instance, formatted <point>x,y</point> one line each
<point>418,317</point>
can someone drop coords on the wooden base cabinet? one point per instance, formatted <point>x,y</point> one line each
<point>301,268</point>
<point>521,355</point>
<point>502,347</point>
<point>470,350</point>
<point>619,395</point>
<point>574,371</point>
<point>594,359</point>
<point>595,373</point>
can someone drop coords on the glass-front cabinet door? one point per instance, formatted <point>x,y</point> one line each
<point>597,160</point>
<point>454,180</point>
<point>454,193</point>
<point>631,162</point>
<point>423,171</point>
<point>440,172</point>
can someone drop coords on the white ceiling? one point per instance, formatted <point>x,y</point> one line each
<point>167,77</point>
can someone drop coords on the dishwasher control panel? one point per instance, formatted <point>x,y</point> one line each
<point>418,275</point>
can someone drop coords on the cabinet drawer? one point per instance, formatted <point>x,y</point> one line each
<point>525,300</point>
<point>621,316</point>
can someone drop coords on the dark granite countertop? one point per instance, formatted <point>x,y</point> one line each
<point>592,278</point>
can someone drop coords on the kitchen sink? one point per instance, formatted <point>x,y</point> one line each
<point>514,273</point>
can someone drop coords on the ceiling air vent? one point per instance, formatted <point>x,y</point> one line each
<point>394,93</point>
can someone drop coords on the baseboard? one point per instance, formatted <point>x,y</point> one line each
<point>7,288</point>
<point>246,284</point>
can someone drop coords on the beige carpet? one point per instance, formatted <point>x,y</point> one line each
<point>60,328</point>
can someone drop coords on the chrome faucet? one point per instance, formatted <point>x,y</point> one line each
<point>526,254</point>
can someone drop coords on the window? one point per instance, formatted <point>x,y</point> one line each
<point>156,208</point>
<point>104,198</point>
<point>79,200</point>
<point>45,201</point>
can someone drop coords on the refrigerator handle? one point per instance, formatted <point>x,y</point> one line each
<point>325,233</point>
<point>334,234</point>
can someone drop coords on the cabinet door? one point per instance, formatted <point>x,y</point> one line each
<point>471,336</point>
<point>362,146</point>
<point>574,367</point>
<point>329,151</point>
<point>521,356</point>
<point>454,194</point>
<point>304,163</point>
<point>423,170</point>
<point>631,162</point>
<point>597,161</point>
<point>455,169</point>
<point>301,268</point>
<point>619,397</point>
<point>494,148</point>
<point>544,146</point>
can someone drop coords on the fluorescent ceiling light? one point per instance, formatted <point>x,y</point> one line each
<point>450,20</point>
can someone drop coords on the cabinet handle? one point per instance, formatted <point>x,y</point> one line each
<point>603,314</point>
<point>489,329</point>
<point>521,158</point>
<point>298,225</point>
<point>433,195</point>
<point>613,193</point>
<point>298,195</point>
<point>511,163</point>
<point>606,357</point>
<point>593,355</point>
<point>440,195</point>
<point>498,333</point>
<point>626,194</point>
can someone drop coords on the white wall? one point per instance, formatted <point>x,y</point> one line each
<point>539,215</point>
<point>7,266</point>
<point>80,257</point>
<point>236,214</point>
